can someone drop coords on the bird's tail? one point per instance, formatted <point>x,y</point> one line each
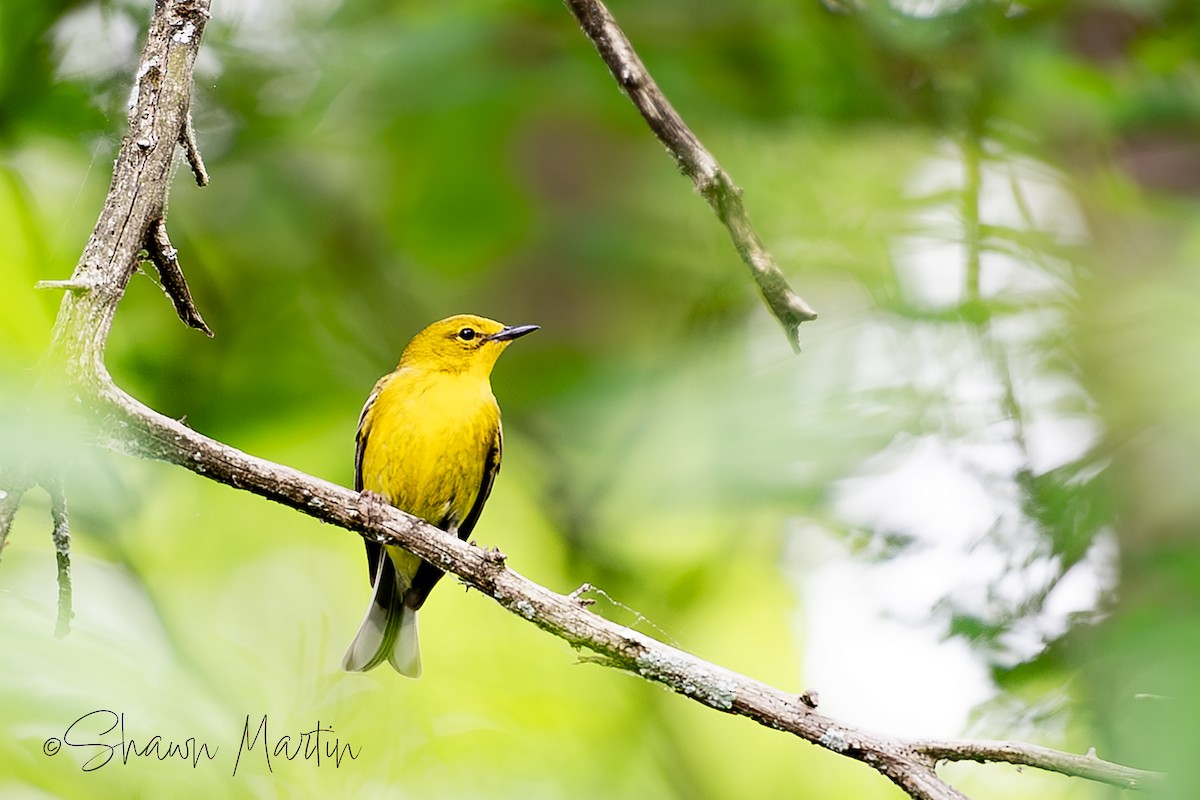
<point>389,629</point>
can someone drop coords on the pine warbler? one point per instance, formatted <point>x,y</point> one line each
<point>429,443</point>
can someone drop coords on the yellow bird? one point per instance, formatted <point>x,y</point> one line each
<point>429,442</point>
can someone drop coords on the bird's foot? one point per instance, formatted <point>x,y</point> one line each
<point>492,555</point>
<point>372,505</point>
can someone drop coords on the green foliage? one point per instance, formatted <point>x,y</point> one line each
<point>995,419</point>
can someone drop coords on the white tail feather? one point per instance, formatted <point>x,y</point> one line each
<point>389,629</point>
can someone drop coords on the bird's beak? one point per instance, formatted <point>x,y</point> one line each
<point>513,332</point>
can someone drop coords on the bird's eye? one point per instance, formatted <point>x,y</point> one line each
<point>466,334</point>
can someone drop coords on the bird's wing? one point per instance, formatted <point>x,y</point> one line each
<point>428,575</point>
<point>374,549</point>
<point>491,465</point>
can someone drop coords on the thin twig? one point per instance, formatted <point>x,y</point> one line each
<point>13,485</point>
<point>166,261</point>
<point>972,155</point>
<point>69,285</point>
<point>1032,755</point>
<point>61,534</point>
<point>713,183</point>
<point>191,149</point>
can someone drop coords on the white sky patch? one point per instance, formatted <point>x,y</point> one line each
<point>870,669</point>
<point>927,9</point>
<point>937,515</point>
<point>1018,195</point>
<point>918,487</point>
<point>94,43</point>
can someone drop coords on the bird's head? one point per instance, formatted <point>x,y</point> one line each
<point>462,343</point>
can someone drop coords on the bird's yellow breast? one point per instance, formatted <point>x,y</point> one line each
<point>427,438</point>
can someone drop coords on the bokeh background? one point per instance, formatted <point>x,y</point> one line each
<point>968,507</point>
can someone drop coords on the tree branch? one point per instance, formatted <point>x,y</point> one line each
<point>135,206</point>
<point>694,160</point>
<point>131,427</point>
<point>136,200</point>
